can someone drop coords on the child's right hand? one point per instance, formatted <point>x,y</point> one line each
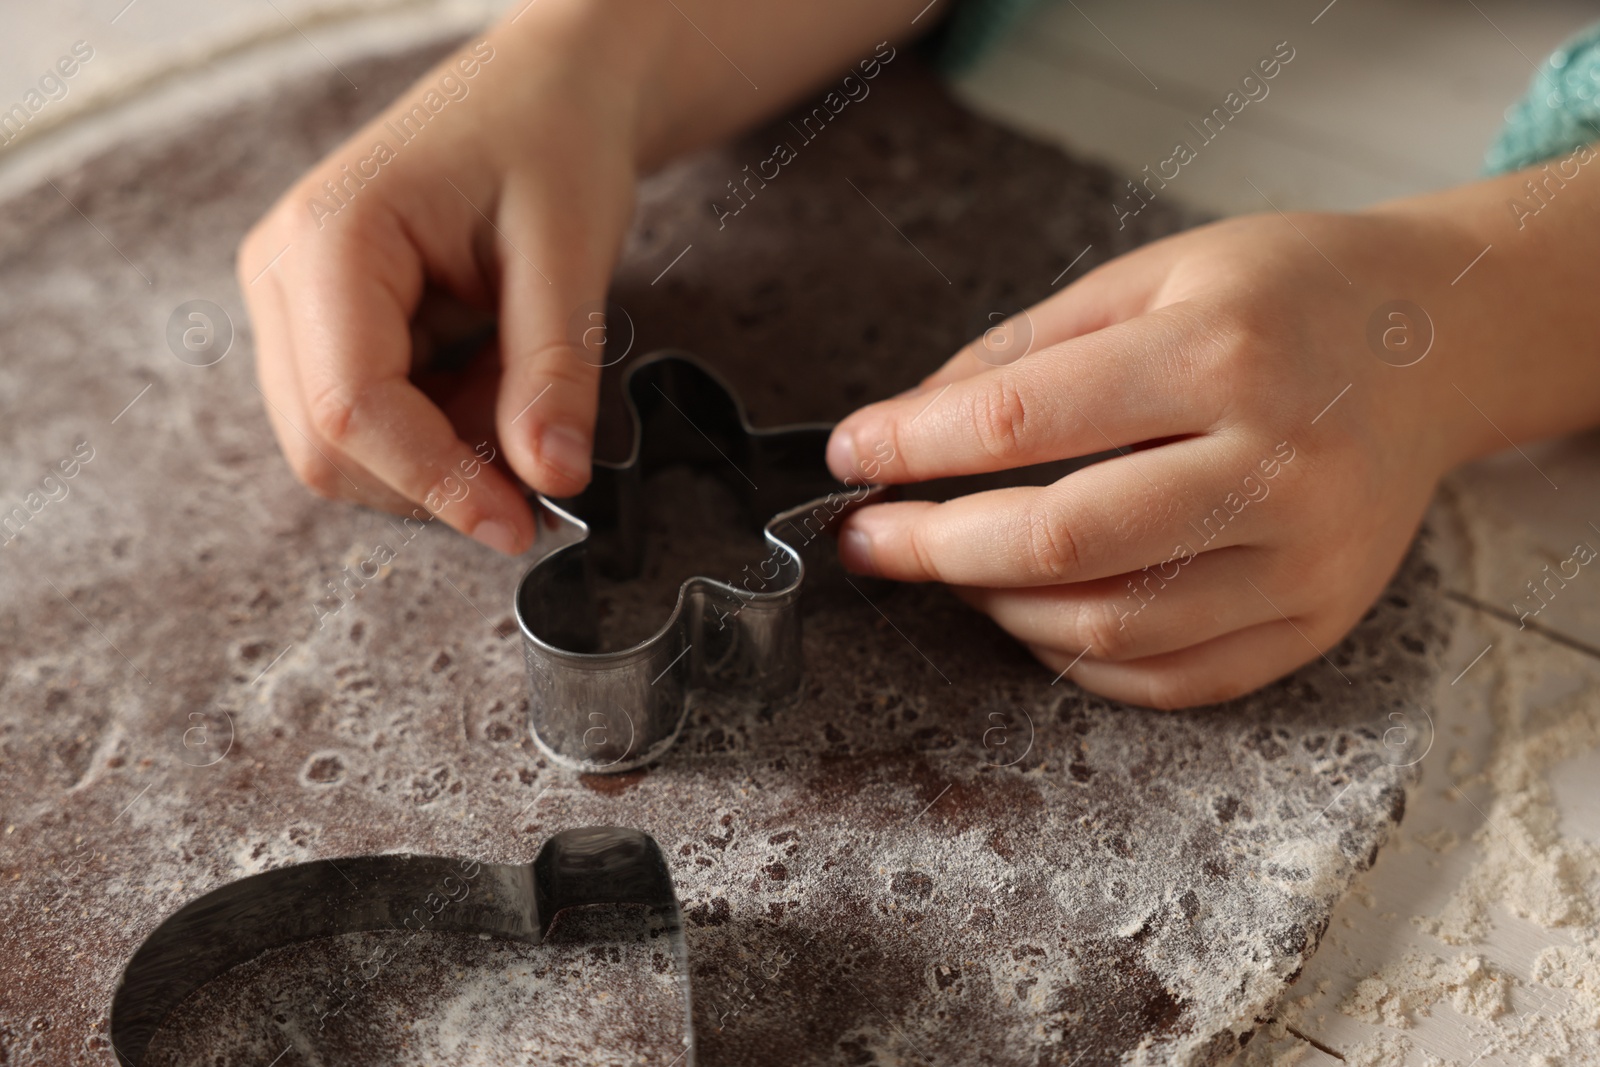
<point>513,195</point>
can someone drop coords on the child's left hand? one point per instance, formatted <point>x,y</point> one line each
<point>1274,465</point>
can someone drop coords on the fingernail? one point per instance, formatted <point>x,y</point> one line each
<point>497,535</point>
<point>841,454</point>
<point>855,552</point>
<point>567,450</point>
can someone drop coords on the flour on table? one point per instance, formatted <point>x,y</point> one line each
<point>1525,865</point>
<point>1394,995</point>
<point>1384,1050</point>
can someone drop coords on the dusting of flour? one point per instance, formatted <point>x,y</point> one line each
<point>1529,867</point>
<point>1395,994</point>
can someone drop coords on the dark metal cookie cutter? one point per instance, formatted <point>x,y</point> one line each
<point>613,711</point>
<point>243,919</point>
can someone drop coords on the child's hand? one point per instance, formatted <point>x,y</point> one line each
<point>505,179</point>
<point>513,193</point>
<point>1274,467</point>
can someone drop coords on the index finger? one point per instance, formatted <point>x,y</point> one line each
<point>1117,387</point>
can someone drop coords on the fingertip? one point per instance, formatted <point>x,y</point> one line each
<point>494,511</point>
<point>841,453</point>
<point>564,451</point>
<point>878,540</point>
<point>501,536</point>
<point>855,551</point>
<point>554,458</point>
<point>546,420</point>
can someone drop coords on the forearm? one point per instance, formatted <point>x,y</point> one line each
<point>1517,334</point>
<point>693,72</point>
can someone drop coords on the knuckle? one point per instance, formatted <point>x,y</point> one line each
<point>292,220</point>
<point>318,475</point>
<point>331,412</point>
<point>924,556</point>
<point>1050,548</point>
<point>999,417</point>
<point>289,217</point>
<point>881,439</point>
<point>1240,324</point>
<point>1232,362</point>
<point>565,361</point>
<point>1247,326</point>
<point>559,366</point>
<point>1101,629</point>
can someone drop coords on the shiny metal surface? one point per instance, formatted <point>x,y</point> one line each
<point>241,920</point>
<point>605,712</point>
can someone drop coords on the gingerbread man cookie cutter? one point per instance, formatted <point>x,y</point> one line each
<point>609,711</point>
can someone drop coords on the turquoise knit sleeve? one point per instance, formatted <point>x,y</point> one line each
<point>970,29</point>
<point>1560,112</point>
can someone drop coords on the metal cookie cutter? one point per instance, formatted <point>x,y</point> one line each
<point>241,920</point>
<point>613,711</point>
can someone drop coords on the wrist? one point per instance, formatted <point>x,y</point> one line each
<point>614,53</point>
<point>1510,299</point>
<point>1412,320</point>
<point>688,73</point>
